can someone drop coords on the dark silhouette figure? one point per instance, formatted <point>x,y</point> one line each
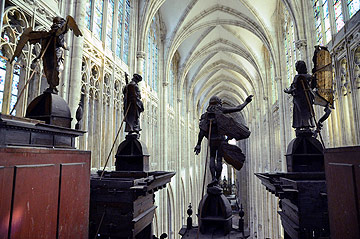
<point>133,105</point>
<point>303,100</point>
<point>221,125</point>
<point>52,47</point>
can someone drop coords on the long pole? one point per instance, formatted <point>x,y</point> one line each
<point>311,110</point>
<point>108,157</point>
<point>28,80</point>
<point>203,186</point>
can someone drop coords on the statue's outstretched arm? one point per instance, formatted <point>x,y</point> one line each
<point>238,108</point>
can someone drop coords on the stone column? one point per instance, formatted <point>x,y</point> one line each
<point>76,61</point>
<point>140,56</point>
<point>301,45</point>
<point>281,123</point>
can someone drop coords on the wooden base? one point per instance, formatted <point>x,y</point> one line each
<point>44,193</point>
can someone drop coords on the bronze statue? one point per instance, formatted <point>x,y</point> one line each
<point>52,47</point>
<point>221,127</point>
<point>303,100</point>
<point>133,105</point>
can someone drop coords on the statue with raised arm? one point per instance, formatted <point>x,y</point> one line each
<point>52,47</point>
<point>218,126</point>
<point>133,105</point>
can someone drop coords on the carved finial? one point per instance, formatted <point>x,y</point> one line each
<point>241,220</point>
<point>189,219</point>
<point>79,112</point>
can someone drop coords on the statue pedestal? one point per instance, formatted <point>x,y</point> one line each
<point>122,203</point>
<point>215,212</point>
<point>305,154</point>
<point>50,108</point>
<point>132,155</point>
<point>44,181</point>
<point>302,191</point>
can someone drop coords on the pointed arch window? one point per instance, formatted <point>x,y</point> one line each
<point>11,75</point>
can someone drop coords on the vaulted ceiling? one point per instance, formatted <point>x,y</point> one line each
<point>222,45</point>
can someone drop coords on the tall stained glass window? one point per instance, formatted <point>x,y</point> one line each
<point>339,19</point>
<point>317,15</point>
<point>353,6</point>
<point>98,18</point>
<point>2,80</point>
<point>326,20</point>
<point>126,32</point>
<point>119,28</point>
<point>152,59</point>
<point>289,47</point>
<point>110,23</point>
<point>14,88</point>
<point>88,14</point>
<point>149,59</point>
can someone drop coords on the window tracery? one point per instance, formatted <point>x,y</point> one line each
<point>106,89</point>
<point>11,75</point>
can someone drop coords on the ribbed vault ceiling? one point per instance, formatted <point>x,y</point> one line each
<point>221,44</point>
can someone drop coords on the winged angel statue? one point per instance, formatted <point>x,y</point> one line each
<point>52,47</point>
